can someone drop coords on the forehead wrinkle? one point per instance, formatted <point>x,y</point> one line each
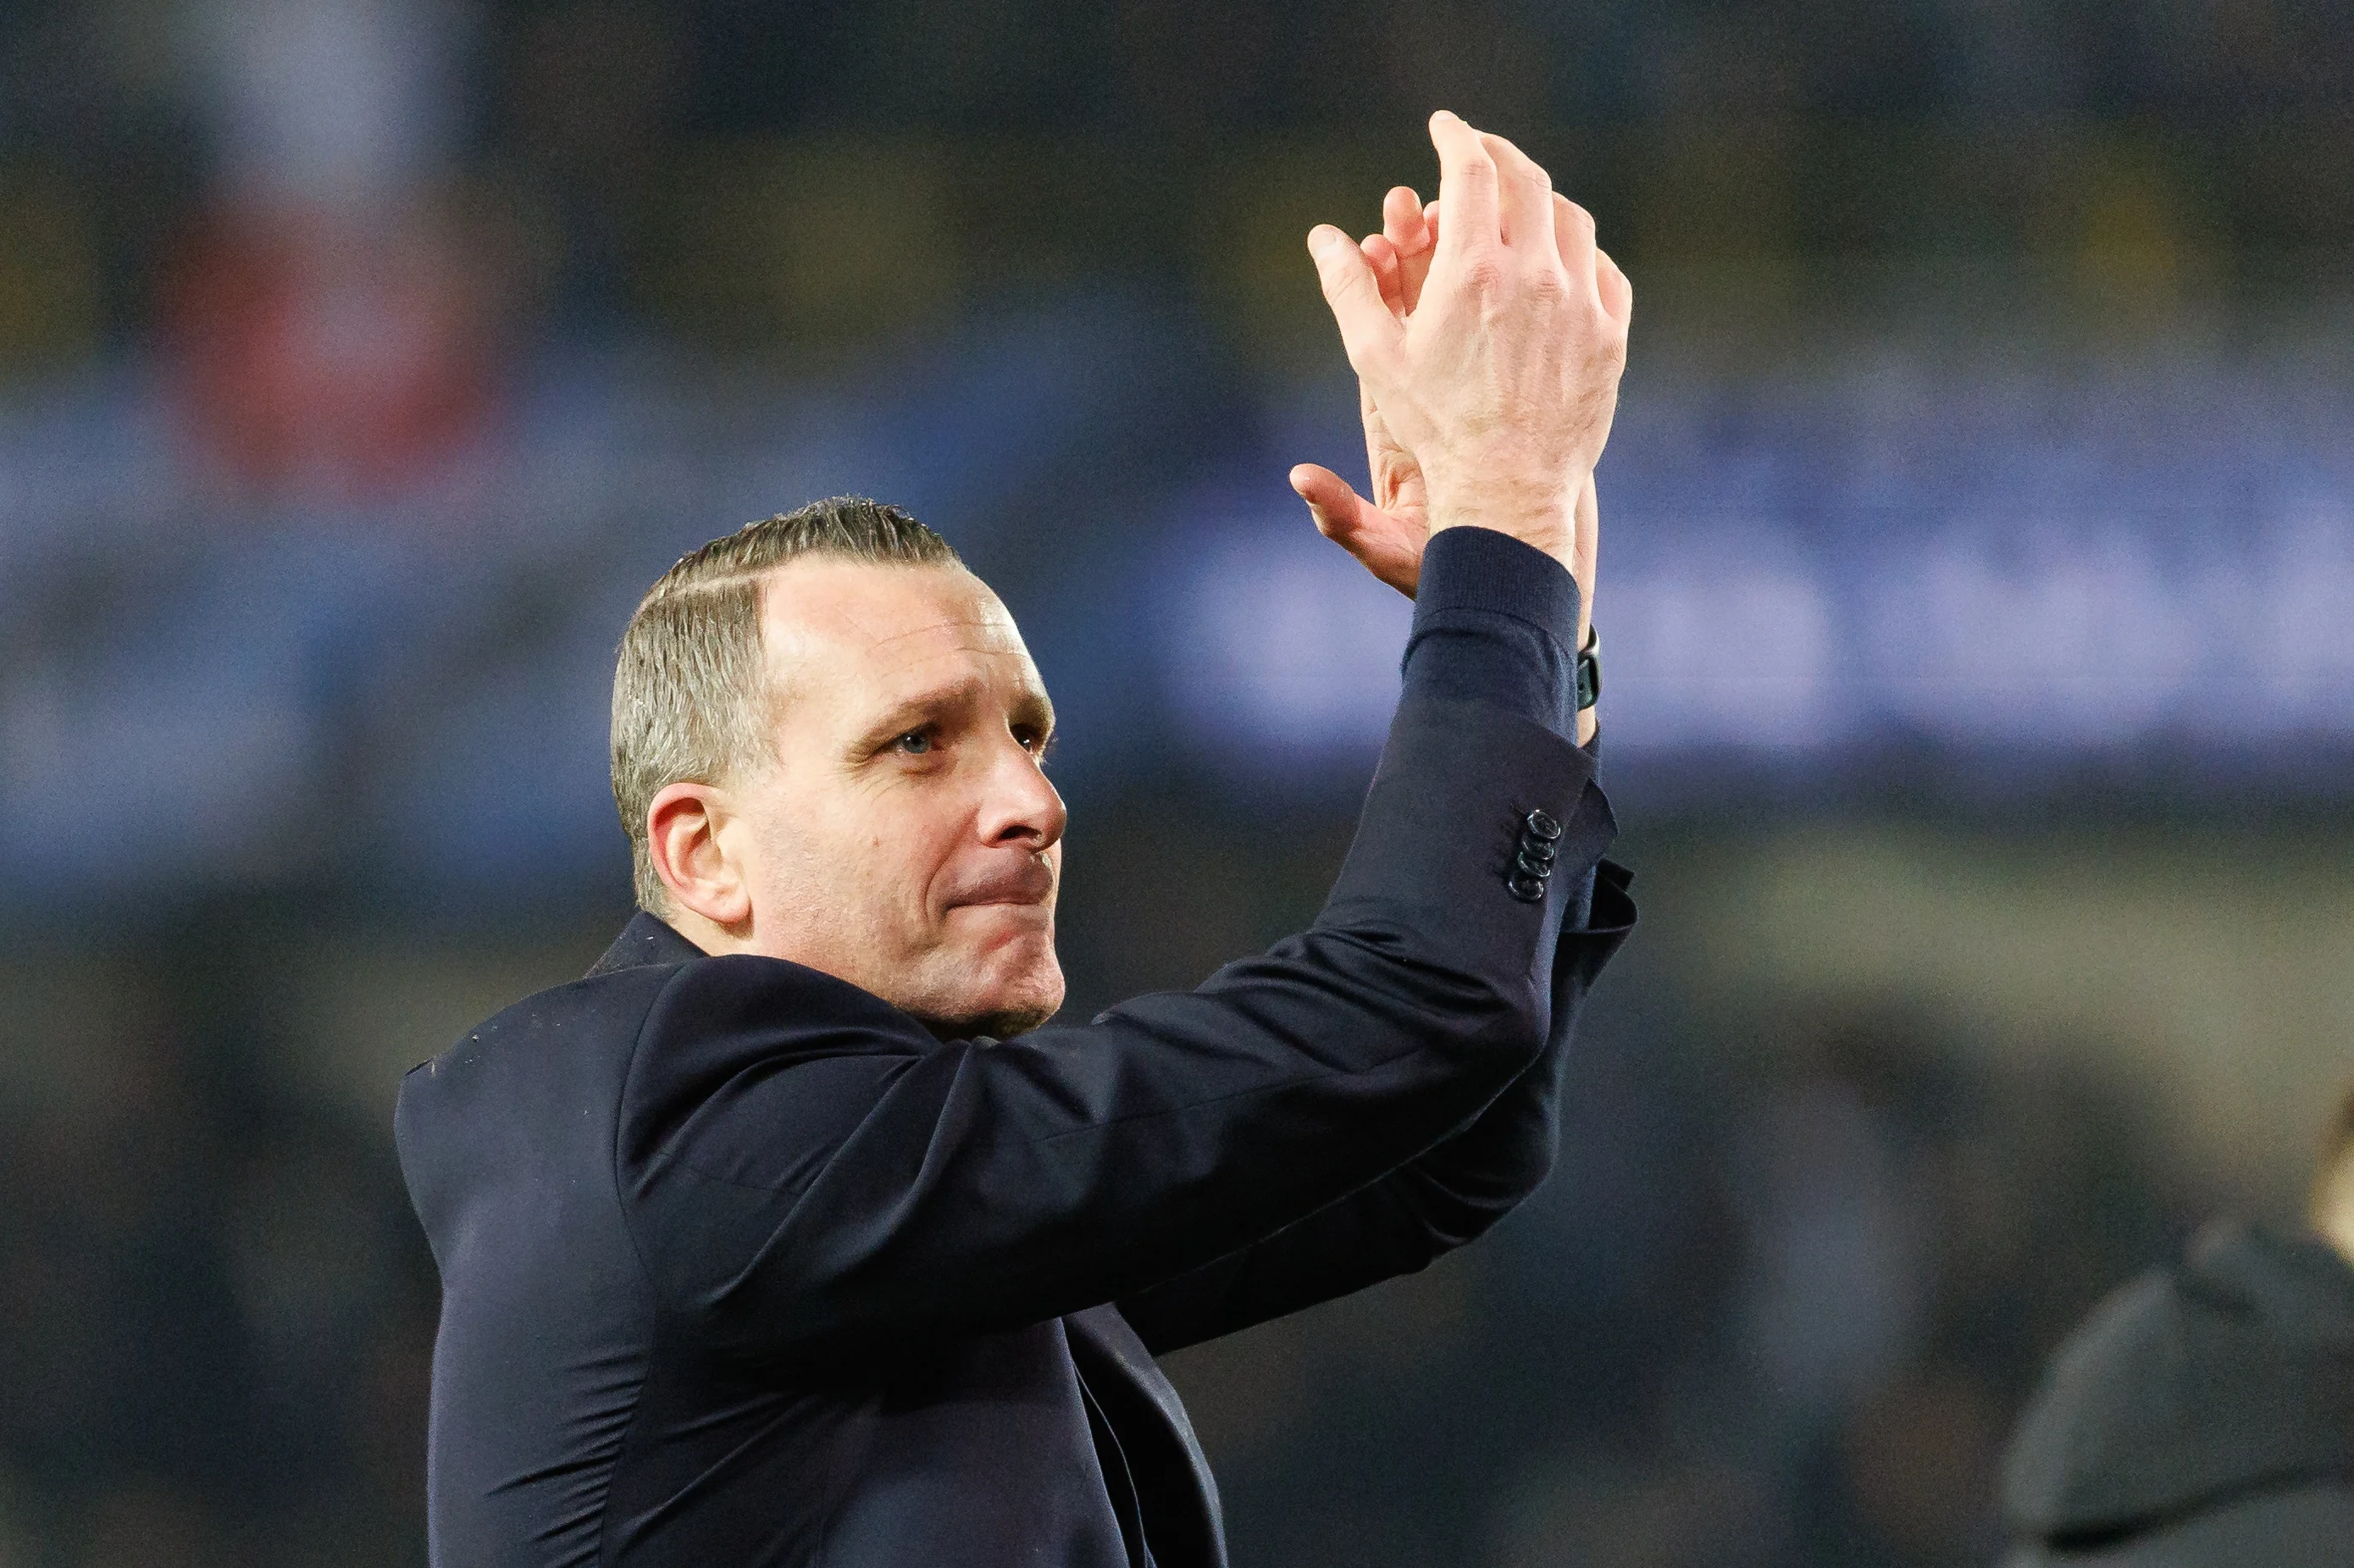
<point>996,629</point>
<point>797,626</point>
<point>908,656</point>
<point>971,686</point>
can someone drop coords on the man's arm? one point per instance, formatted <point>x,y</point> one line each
<point>1492,622</point>
<point>1425,1208</point>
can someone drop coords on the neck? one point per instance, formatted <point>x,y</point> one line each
<point>714,939</point>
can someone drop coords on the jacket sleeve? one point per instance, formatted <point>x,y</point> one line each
<point>804,1169</point>
<point>1428,1206</point>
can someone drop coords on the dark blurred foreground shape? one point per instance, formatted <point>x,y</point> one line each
<point>2203,1416</point>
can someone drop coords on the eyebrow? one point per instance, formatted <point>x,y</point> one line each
<point>910,713</point>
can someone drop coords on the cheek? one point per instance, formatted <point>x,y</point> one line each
<point>864,874</point>
<point>911,860</point>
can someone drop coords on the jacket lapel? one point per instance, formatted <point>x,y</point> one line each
<point>1174,1488</point>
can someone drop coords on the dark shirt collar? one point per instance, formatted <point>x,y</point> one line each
<point>646,939</point>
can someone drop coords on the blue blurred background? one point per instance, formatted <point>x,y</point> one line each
<point>1978,585</point>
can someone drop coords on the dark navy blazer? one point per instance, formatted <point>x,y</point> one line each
<point>740,1265</point>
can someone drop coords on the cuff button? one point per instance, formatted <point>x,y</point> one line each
<point>1540,826</point>
<point>1528,864</point>
<point>1527,889</point>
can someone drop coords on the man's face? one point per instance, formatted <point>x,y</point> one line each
<point>905,838</point>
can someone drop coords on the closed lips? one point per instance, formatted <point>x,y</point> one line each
<point>1030,880</point>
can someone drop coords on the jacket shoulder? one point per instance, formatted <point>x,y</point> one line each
<point>716,1044</point>
<point>609,1005</point>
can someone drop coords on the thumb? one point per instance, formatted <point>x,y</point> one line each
<point>1381,544</point>
<point>1330,500</point>
<point>1354,292</point>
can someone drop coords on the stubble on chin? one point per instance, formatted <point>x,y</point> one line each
<point>1003,1024</point>
<point>1013,1010</point>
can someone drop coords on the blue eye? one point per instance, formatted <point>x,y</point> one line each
<point>915,743</point>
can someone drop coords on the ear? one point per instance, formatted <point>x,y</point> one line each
<point>683,825</point>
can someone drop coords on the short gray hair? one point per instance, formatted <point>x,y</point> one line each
<point>691,699</point>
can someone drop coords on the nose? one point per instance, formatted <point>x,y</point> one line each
<point>1020,808</point>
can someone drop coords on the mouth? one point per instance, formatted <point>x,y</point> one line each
<point>1030,883</point>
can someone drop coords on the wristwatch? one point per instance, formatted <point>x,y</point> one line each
<point>1589,669</point>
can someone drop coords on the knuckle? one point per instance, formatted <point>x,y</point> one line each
<point>1366,359</point>
<point>1484,274</point>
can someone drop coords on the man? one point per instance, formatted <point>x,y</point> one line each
<point>2203,1415</point>
<point>793,1235</point>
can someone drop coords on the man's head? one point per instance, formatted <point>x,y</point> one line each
<point>827,739</point>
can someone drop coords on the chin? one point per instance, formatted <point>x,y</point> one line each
<point>1020,1007</point>
<point>1006,1003</point>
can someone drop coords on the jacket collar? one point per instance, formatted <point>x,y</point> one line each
<point>646,939</point>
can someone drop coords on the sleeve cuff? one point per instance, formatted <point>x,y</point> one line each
<point>1481,569</point>
<point>1495,621</point>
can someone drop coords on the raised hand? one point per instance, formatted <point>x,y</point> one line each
<point>1386,534</point>
<point>1540,404</point>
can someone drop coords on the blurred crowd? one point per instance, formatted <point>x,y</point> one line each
<point>215,1312</point>
<point>361,359</point>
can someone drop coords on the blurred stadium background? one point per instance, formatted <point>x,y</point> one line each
<point>1978,584</point>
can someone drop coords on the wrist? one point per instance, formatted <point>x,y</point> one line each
<point>1542,517</point>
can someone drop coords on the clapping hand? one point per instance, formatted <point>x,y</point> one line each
<point>1489,376</point>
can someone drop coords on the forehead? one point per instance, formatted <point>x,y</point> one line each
<point>882,630</point>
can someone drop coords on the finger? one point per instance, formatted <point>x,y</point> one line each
<point>1467,186</point>
<point>1416,264</point>
<point>1328,495</point>
<point>1573,236</point>
<point>1384,257</point>
<point>1367,327</point>
<point>1417,267</point>
<point>1618,294</point>
<point>1379,542</point>
<point>1403,223</point>
<point>1339,512</point>
<point>1525,194</point>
